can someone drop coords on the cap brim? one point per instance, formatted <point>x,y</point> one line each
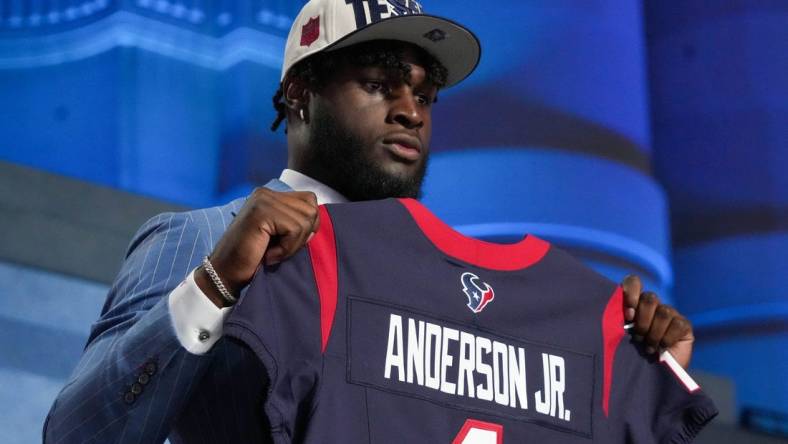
<point>459,50</point>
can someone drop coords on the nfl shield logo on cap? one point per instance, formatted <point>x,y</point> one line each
<point>310,31</point>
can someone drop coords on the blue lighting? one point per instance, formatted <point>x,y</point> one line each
<point>598,126</point>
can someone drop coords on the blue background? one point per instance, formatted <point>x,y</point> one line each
<point>644,136</point>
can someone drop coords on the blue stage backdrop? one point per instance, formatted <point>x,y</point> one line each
<point>719,94</point>
<point>602,126</point>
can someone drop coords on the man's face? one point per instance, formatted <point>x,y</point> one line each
<point>371,129</point>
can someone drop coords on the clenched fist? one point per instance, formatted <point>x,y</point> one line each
<point>658,325</point>
<point>270,227</point>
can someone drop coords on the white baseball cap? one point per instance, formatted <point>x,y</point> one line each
<point>326,25</point>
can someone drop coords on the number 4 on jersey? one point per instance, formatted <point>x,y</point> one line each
<point>479,432</point>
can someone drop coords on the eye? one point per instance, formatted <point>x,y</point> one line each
<point>374,86</point>
<point>424,99</point>
<point>427,99</point>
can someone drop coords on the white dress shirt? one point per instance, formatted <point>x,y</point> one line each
<point>197,321</point>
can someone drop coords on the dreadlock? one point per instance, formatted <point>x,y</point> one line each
<point>317,69</point>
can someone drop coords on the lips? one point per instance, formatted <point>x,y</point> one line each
<point>404,146</point>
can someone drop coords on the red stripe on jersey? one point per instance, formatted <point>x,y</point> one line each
<point>612,333</point>
<point>323,254</point>
<point>503,257</point>
<point>471,424</point>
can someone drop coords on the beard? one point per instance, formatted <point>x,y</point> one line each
<point>350,170</point>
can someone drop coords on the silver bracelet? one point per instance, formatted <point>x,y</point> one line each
<point>206,264</point>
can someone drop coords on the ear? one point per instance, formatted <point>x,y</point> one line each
<point>296,97</point>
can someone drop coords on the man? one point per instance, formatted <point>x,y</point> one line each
<point>358,84</point>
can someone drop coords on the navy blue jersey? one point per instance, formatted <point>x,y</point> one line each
<point>391,327</point>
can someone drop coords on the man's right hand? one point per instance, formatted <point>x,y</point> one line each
<point>270,227</point>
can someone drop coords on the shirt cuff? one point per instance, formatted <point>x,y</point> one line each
<point>198,323</point>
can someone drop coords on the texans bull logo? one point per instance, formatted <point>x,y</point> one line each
<point>478,297</point>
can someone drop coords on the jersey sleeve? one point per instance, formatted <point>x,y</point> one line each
<point>284,316</point>
<point>657,402</point>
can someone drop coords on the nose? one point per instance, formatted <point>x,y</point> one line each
<point>405,109</point>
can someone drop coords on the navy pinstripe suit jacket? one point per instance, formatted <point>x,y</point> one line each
<point>212,398</point>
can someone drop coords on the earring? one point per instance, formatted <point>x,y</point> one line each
<point>301,114</point>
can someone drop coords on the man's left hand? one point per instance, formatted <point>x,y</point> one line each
<point>658,325</point>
